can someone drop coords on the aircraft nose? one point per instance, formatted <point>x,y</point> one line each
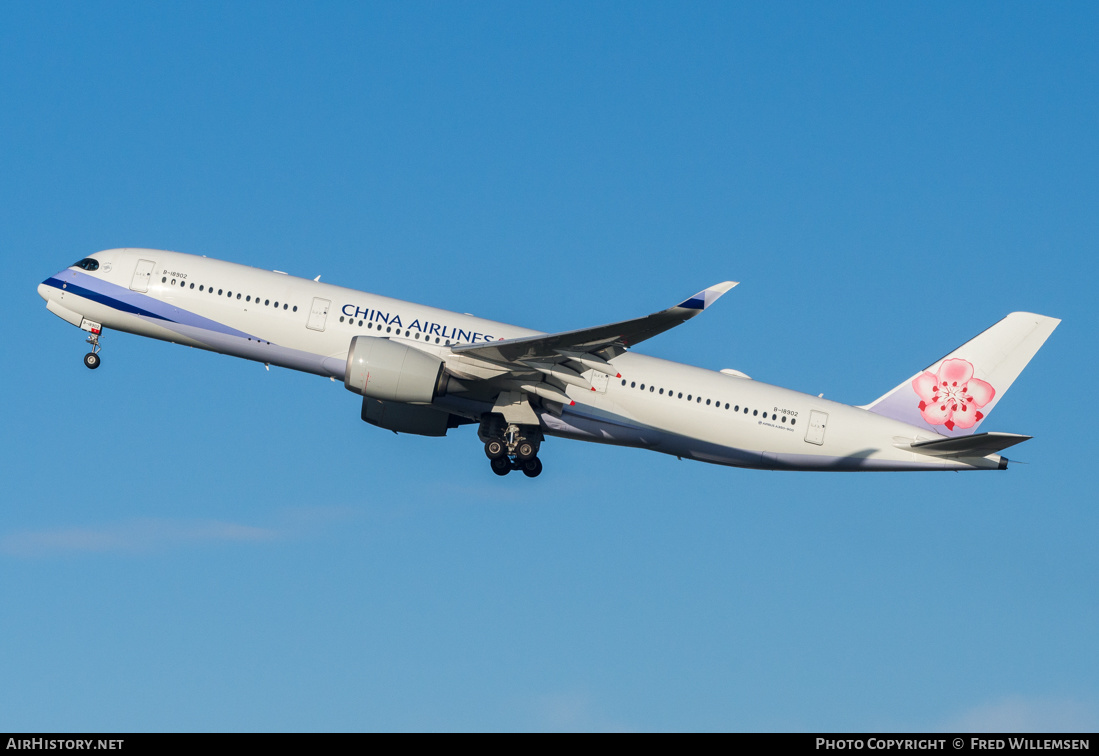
<point>44,291</point>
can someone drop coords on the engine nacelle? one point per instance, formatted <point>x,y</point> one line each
<point>406,418</point>
<point>382,369</point>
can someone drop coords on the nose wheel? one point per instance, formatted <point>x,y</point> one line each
<point>91,359</point>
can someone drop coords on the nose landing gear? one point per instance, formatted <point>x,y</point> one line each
<point>91,359</point>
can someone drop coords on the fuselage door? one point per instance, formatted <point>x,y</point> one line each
<point>142,274</point>
<point>318,314</point>
<point>818,421</point>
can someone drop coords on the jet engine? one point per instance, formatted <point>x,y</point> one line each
<point>382,369</point>
<point>416,419</point>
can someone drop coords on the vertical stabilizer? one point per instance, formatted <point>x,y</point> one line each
<point>953,395</point>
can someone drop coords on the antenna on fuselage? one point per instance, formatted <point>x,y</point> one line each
<point>317,278</point>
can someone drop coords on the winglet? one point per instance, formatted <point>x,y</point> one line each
<point>707,297</point>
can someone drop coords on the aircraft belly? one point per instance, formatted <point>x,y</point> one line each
<point>603,430</point>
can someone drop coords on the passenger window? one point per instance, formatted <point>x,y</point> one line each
<point>220,292</point>
<point>793,420</point>
<point>295,308</point>
<point>755,413</point>
<point>173,282</point>
<point>238,295</point>
<point>680,395</point>
<point>633,384</point>
<point>200,287</point>
<point>707,402</point>
<point>267,301</point>
<point>191,286</point>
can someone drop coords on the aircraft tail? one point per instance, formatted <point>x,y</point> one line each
<point>952,396</point>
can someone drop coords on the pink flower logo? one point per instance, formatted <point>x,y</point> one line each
<point>953,397</point>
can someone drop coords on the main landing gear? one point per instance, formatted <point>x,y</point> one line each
<point>515,451</point>
<point>91,359</point>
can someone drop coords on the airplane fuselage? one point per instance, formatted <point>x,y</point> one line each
<point>308,325</point>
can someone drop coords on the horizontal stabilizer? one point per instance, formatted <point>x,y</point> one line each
<point>977,445</point>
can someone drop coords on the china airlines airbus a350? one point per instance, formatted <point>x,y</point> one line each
<point>423,370</point>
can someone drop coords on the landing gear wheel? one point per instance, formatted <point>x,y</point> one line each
<point>501,466</point>
<point>91,360</point>
<point>532,468</point>
<point>525,450</point>
<point>495,449</point>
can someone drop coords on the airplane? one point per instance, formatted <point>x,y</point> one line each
<point>422,370</point>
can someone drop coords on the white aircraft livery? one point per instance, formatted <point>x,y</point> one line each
<point>423,370</point>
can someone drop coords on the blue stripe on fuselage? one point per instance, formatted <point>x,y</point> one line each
<point>135,303</point>
<point>103,299</point>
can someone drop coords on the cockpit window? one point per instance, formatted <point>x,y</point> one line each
<point>88,264</point>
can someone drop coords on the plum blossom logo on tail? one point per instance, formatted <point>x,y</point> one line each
<point>953,397</point>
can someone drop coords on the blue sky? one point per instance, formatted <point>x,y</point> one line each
<point>189,542</point>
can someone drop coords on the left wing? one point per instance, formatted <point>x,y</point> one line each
<point>545,364</point>
<point>614,336</point>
